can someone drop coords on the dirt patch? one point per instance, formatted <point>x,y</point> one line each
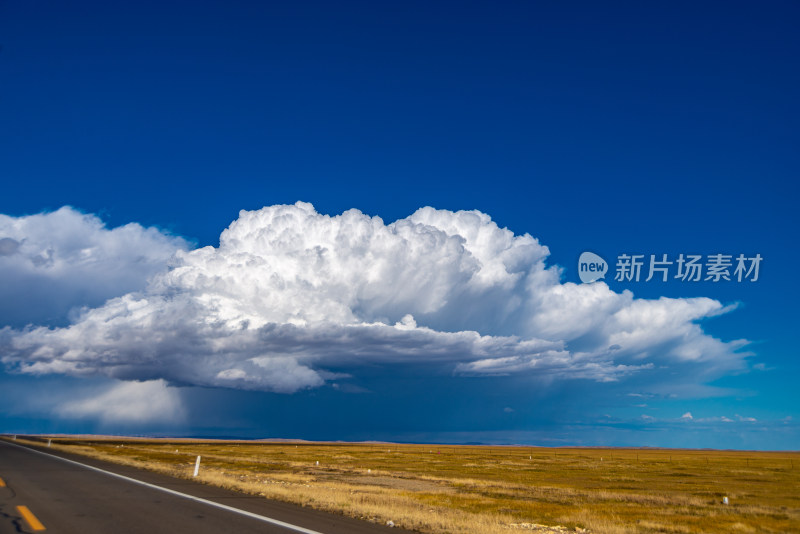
<point>406,484</point>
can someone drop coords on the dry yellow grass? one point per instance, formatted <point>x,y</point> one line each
<point>463,489</point>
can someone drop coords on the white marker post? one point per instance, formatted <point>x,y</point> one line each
<point>196,467</point>
<point>49,441</point>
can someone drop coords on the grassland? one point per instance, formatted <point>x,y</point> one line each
<point>465,489</point>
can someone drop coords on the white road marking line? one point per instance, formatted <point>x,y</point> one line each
<point>263,518</point>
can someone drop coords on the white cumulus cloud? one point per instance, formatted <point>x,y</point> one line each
<point>51,263</point>
<point>293,298</point>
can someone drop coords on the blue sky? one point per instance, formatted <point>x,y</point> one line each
<point>618,129</point>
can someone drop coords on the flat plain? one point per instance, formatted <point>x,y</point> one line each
<point>489,489</point>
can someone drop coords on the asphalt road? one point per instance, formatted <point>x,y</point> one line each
<point>69,498</point>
